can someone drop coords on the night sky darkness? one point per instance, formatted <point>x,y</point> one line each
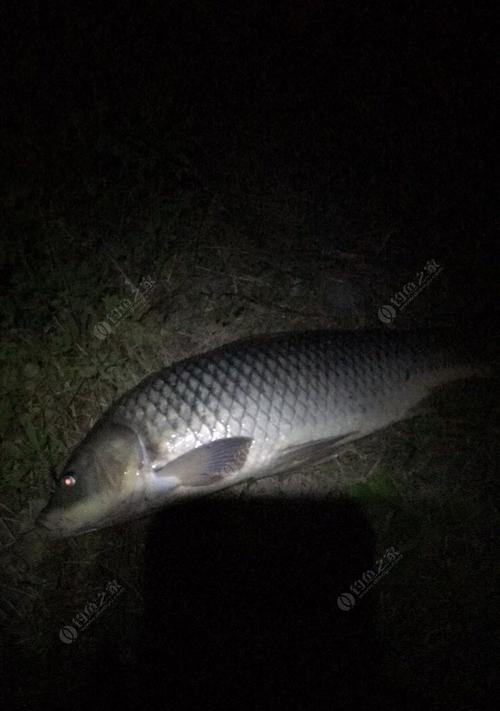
<point>385,108</point>
<point>388,103</point>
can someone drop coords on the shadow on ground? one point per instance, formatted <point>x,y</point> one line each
<point>241,606</point>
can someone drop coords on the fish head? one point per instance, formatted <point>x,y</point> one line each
<point>99,483</point>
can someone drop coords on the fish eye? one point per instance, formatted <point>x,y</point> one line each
<point>69,479</point>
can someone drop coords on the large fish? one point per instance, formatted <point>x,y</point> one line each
<point>243,411</point>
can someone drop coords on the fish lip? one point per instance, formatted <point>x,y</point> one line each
<point>50,531</point>
<point>54,530</point>
<point>42,522</point>
<point>42,519</point>
<point>58,529</point>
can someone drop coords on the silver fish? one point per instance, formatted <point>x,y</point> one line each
<point>247,410</point>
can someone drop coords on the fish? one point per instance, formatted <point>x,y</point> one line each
<point>248,409</point>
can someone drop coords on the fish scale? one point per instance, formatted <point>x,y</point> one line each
<point>248,410</point>
<point>288,389</point>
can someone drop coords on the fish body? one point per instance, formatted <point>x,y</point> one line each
<point>247,410</point>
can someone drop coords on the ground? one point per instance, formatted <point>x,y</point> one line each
<point>128,255</point>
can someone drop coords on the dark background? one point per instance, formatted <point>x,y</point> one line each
<point>378,120</point>
<point>386,106</point>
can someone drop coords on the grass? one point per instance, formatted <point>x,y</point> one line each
<point>425,485</point>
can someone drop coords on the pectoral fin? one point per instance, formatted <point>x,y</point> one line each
<point>210,463</point>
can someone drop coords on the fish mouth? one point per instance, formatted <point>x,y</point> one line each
<point>56,526</point>
<point>52,529</point>
<point>57,531</point>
